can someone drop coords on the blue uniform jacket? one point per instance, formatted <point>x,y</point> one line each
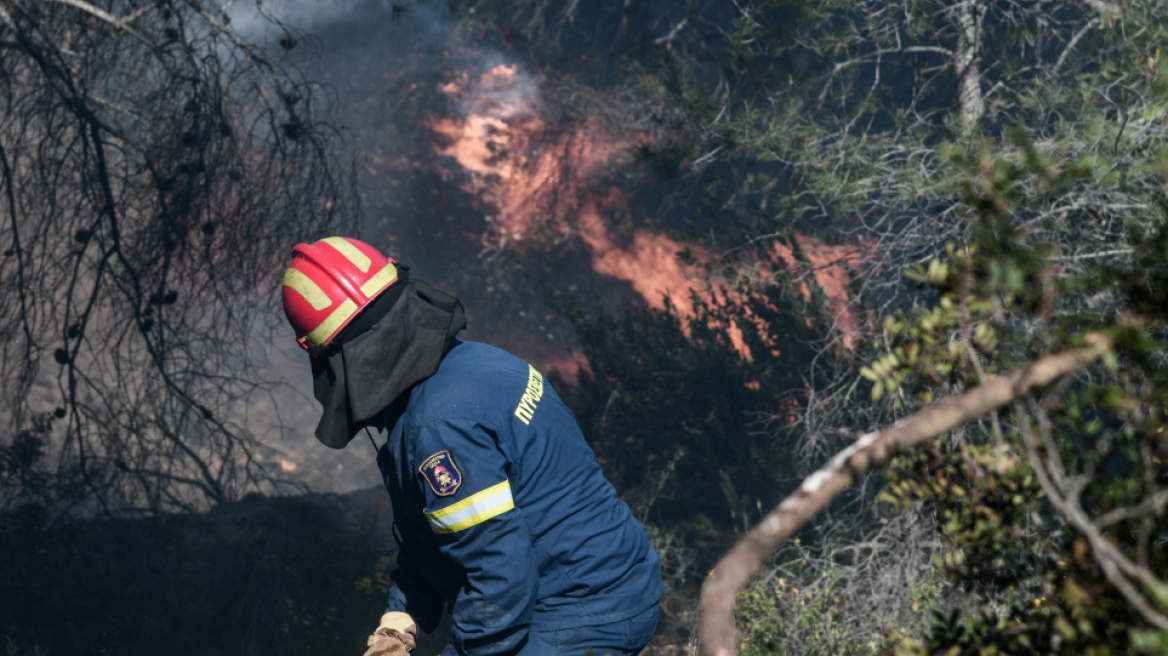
<point>503,512</point>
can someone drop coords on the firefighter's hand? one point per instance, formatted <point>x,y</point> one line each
<point>394,636</point>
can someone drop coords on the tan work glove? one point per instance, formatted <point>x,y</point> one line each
<point>394,636</point>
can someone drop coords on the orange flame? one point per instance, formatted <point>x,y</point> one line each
<point>650,263</point>
<point>543,181</point>
<point>832,268</point>
<point>532,176</point>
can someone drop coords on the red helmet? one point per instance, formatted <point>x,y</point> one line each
<point>329,282</point>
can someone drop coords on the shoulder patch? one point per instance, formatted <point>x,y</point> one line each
<point>441,473</point>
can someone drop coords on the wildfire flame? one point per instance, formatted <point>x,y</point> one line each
<point>532,175</point>
<point>543,181</point>
<point>833,267</point>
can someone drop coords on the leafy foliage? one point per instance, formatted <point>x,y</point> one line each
<point>1050,507</point>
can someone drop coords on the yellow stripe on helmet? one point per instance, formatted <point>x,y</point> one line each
<point>332,322</point>
<point>346,248</point>
<point>303,285</point>
<point>379,281</point>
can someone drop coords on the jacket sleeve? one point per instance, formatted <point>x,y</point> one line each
<point>464,474</point>
<point>410,593</point>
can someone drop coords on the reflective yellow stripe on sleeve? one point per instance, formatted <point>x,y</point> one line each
<point>473,510</point>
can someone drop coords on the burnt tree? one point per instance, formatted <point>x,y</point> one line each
<point>155,167</point>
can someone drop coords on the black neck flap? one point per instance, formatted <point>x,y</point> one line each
<point>382,357</point>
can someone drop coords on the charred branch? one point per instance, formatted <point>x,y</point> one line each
<point>149,191</point>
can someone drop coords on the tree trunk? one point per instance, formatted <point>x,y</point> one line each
<point>967,62</point>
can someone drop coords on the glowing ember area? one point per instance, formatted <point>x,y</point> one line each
<point>833,268</point>
<point>532,176</point>
<point>497,112</point>
<point>540,182</point>
<point>650,263</point>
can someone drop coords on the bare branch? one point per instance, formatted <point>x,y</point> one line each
<point>107,17</point>
<point>877,54</point>
<point>1113,563</point>
<point>1090,256</point>
<point>145,185</point>
<point>1071,44</point>
<point>1103,7</point>
<point>672,32</point>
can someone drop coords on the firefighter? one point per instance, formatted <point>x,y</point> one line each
<point>502,514</point>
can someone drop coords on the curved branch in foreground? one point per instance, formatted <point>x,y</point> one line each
<point>745,560</point>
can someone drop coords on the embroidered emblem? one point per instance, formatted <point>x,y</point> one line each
<point>441,473</point>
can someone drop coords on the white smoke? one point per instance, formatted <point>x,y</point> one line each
<point>258,21</point>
